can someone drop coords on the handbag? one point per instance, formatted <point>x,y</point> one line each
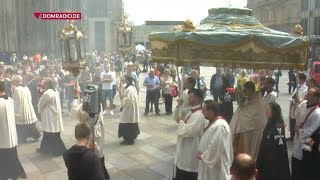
<point>232,93</point>
<point>174,91</point>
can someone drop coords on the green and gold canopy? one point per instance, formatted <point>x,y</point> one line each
<point>232,37</point>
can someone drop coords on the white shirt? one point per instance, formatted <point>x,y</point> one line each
<point>105,75</point>
<point>303,88</point>
<point>216,146</point>
<point>189,134</point>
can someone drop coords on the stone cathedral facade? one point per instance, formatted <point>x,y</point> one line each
<point>21,32</point>
<point>280,15</point>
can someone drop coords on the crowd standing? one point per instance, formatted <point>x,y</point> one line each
<point>214,141</point>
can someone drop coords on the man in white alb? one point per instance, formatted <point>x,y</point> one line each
<point>190,129</point>
<point>24,112</point>
<point>215,149</point>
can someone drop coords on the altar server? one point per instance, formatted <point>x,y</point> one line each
<point>10,166</point>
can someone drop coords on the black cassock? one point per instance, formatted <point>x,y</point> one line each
<point>272,161</point>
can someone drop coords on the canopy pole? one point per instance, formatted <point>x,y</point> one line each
<point>297,85</point>
<point>181,80</point>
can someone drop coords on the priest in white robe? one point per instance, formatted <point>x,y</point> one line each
<point>129,117</point>
<point>10,166</point>
<point>248,122</point>
<point>49,108</point>
<point>309,122</point>
<point>190,129</point>
<point>24,112</point>
<point>215,149</point>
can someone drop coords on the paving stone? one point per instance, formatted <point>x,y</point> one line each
<point>120,161</point>
<point>28,166</point>
<point>46,166</point>
<point>143,158</point>
<point>126,148</point>
<point>156,152</point>
<point>143,135</point>
<point>141,171</point>
<point>57,175</point>
<point>164,169</point>
<point>121,176</point>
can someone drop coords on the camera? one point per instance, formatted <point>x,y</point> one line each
<point>91,100</point>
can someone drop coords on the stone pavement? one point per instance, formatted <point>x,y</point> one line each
<point>150,158</point>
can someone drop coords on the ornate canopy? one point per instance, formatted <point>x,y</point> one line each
<point>232,37</point>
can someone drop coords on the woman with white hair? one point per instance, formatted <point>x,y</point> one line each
<point>166,84</point>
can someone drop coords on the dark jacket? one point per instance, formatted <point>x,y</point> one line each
<point>82,164</point>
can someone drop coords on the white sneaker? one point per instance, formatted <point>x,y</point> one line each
<point>111,112</point>
<point>104,112</point>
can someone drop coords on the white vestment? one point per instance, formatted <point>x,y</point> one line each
<point>130,111</point>
<point>23,108</point>
<point>8,132</point>
<point>216,146</point>
<point>189,133</point>
<point>311,125</point>
<point>49,108</point>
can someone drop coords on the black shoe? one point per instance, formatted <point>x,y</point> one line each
<point>37,137</point>
<point>145,114</point>
<point>151,110</point>
<point>157,113</point>
<point>125,142</point>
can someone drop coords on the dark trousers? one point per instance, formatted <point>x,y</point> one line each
<point>296,169</point>
<point>114,89</point>
<point>217,96</point>
<point>292,87</point>
<point>277,84</point>
<point>168,103</point>
<point>185,175</point>
<point>292,123</point>
<point>152,97</point>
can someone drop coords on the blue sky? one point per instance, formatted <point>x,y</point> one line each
<point>144,10</point>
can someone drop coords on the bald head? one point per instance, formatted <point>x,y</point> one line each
<point>243,167</point>
<point>16,80</point>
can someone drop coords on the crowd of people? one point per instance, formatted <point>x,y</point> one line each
<point>214,141</point>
